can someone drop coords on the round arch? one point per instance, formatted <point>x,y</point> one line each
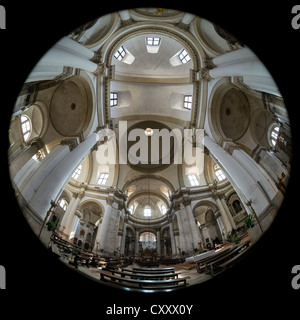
<point>88,201</point>
<point>197,54</point>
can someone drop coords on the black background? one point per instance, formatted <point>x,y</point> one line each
<point>258,286</point>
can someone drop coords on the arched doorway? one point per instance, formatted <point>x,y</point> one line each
<point>166,243</point>
<point>148,245</point>
<point>129,243</point>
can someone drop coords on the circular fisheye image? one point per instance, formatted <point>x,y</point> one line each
<point>149,149</point>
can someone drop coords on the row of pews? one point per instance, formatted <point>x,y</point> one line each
<point>157,262</point>
<point>144,278</point>
<point>222,260</point>
<point>80,256</point>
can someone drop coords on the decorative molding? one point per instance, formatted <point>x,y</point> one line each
<point>230,147</point>
<point>71,142</point>
<point>204,74</point>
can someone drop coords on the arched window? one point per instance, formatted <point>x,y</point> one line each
<point>162,207</point>
<point>274,135</point>
<point>77,172</point>
<point>26,127</point>
<point>63,204</point>
<point>236,206</point>
<point>193,180</point>
<point>103,178</point>
<point>219,173</point>
<point>131,208</point>
<point>147,211</point>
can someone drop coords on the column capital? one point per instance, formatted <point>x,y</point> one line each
<point>204,74</point>
<point>79,194</point>
<point>186,201</point>
<point>217,214</point>
<point>72,143</point>
<point>208,63</point>
<point>230,147</point>
<point>177,206</point>
<point>101,70</point>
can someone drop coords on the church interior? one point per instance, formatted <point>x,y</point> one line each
<point>95,139</point>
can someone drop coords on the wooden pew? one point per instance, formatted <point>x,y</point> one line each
<point>229,263</point>
<point>168,269</point>
<point>146,276</point>
<point>142,284</point>
<point>213,268</point>
<point>201,264</point>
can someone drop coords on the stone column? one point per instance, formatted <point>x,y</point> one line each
<point>243,62</point>
<point>187,18</point>
<point>96,245</point>
<point>74,47</point>
<point>221,225</point>
<point>186,240</point>
<point>66,53</point>
<point>124,15</point>
<point>234,56</point>
<point>71,209</point>
<point>193,226</point>
<point>76,215</point>
<point>158,251</point>
<point>259,174</point>
<point>136,251</point>
<point>228,213</point>
<point>205,235</point>
<point>70,217</point>
<point>244,184</point>
<point>122,246</point>
<point>173,244</point>
<point>225,218</point>
<point>103,228</point>
<point>54,172</point>
<point>245,68</point>
<point>108,239</point>
<point>22,156</point>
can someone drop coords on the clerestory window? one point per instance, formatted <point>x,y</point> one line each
<point>26,127</point>
<point>274,135</point>
<point>103,178</point>
<point>147,212</point>
<point>187,102</point>
<point>193,180</point>
<point>77,172</point>
<point>120,53</point>
<point>184,56</point>
<point>113,99</point>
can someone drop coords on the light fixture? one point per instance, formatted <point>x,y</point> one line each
<point>149,132</point>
